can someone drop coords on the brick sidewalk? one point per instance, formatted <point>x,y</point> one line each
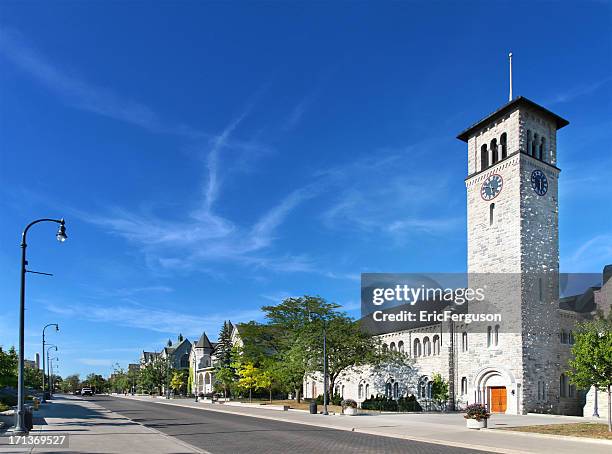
<point>93,429</point>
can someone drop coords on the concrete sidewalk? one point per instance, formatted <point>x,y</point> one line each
<point>446,429</point>
<point>93,429</point>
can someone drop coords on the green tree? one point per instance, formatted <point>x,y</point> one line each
<point>179,380</point>
<point>223,351</point>
<point>97,382</point>
<point>33,377</point>
<point>8,368</point>
<point>224,377</point>
<point>285,336</point>
<point>248,376</point>
<point>265,380</point>
<point>119,381</point>
<point>439,389</point>
<point>153,376</point>
<point>592,363</point>
<point>71,383</point>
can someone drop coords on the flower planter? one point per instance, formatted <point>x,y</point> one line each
<point>474,424</point>
<point>350,411</point>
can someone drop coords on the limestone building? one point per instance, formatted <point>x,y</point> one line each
<point>517,366</point>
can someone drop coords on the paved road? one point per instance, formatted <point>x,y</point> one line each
<point>218,432</point>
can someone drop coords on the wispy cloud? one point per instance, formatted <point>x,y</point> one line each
<point>390,193</point>
<point>578,91</point>
<point>591,255</point>
<point>74,90</point>
<point>152,319</point>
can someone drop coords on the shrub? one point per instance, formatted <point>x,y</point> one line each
<point>383,403</point>
<point>333,400</point>
<point>346,403</point>
<point>4,407</point>
<point>477,412</point>
<point>8,399</point>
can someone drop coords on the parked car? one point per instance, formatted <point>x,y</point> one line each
<point>86,392</point>
<point>77,392</point>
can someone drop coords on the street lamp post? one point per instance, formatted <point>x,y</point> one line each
<point>20,428</point>
<point>43,357</point>
<point>52,374</point>
<point>324,320</point>
<point>325,412</point>
<point>49,368</point>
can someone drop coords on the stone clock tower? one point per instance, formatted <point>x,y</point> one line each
<point>513,239</point>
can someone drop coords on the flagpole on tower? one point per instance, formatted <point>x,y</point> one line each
<point>510,94</point>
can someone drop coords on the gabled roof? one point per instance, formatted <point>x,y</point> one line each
<point>203,342</point>
<point>506,108</point>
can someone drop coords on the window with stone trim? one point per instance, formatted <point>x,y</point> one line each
<point>503,143</point>
<point>416,350</point>
<point>463,386</point>
<point>492,213</point>
<point>400,346</point>
<point>484,157</point>
<point>563,391</point>
<point>426,346</point>
<point>464,341</point>
<point>436,345</point>
<point>489,336</point>
<point>496,336</point>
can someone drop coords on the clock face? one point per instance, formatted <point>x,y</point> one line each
<point>539,182</point>
<point>491,187</point>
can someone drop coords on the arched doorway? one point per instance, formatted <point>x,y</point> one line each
<point>496,388</point>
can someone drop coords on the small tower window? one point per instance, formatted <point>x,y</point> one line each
<point>489,332</point>
<point>534,146</point>
<point>494,153</point>
<point>484,157</point>
<point>503,142</point>
<point>492,213</point>
<point>543,151</point>
<point>496,334</point>
<point>528,150</point>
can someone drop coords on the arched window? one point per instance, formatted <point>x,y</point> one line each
<point>464,341</point>
<point>392,347</point>
<point>543,150</point>
<point>494,153</point>
<point>426,346</point>
<point>496,334</point>
<point>484,157</point>
<point>388,390</point>
<point>563,385</point>
<point>360,391</point>
<point>395,390</point>
<point>570,338</point>
<point>492,213</point>
<point>400,346</point>
<point>463,386</point>
<point>534,145</point>
<point>489,340</point>
<point>572,391</point>
<point>342,392</point>
<point>539,390</point>
<point>416,350</point>
<point>528,150</point>
<point>436,345</point>
<point>503,142</point>
<point>367,391</point>
<point>563,337</point>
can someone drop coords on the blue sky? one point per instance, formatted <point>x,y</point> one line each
<point>213,158</point>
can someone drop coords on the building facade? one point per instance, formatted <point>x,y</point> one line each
<point>517,366</point>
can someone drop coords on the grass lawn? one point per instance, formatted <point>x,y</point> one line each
<point>589,430</point>
<point>293,404</point>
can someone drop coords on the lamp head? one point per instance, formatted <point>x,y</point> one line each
<point>61,232</point>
